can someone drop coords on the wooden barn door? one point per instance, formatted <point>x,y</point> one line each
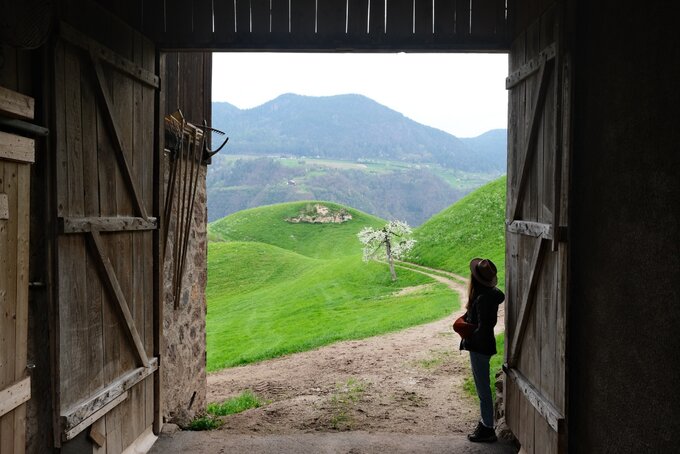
<point>536,258</point>
<point>105,167</point>
<point>16,156</point>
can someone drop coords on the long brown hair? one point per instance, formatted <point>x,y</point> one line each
<point>473,291</point>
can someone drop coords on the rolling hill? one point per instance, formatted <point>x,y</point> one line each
<point>267,225</point>
<point>349,127</point>
<point>276,287</point>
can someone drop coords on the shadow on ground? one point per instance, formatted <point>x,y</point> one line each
<point>217,442</point>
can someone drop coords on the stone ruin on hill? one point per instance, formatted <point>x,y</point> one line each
<point>320,214</point>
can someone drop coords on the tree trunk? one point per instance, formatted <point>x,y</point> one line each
<point>388,250</point>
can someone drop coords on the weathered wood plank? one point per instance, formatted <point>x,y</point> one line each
<point>259,16</point>
<point>530,193</point>
<point>554,418</point>
<point>531,67</point>
<point>137,404</point>
<point>99,52</point>
<point>69,434</point>
<point>527,360</point>
<point>423,19</point>
<point>119,144</point>
<point>105,224</point>
<point>178,19</point>
<point>548,367</point>
<point>444,17</point>
<point>332,17</point>
<point>511,403</point>
<point>94,301</point>
<point>21,342</point>
<point>202,26</point>
<point>16,148</point>
<point>73,289</point>
<point>157,245</point>
<point>303,18</point>
<point>8,296</point>
<point>280,17</point>
<point>527,302</point>
<point>143,443</point>
<point>122,91</point>
<point>357,17</point>
<point>562,284</point>
<point>512,284</point>
<point>96,436</point>
<point>108,168</point>
<point>16,105</point>
<point>376,19</point>
<point>399,18</point>
<point>532,136</point>
<point>545,308</point>
<point>527,432</point>
<point>243,18</point>
<point>462,19</point>
<point>75,414</point>
<point>225,22</point>
<point>114,433</point>
<point>14,395</point>
<point>562,137</point>
<point>4,207</point>
<point>148,153</point>
<point>295,42</point>
<point>485,18</point>
<point>528,228</point>
<point>111,282</point>
<point>58,163</point>
<point>100,426</point>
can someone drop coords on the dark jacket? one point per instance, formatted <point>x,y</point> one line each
<point>483,312</point>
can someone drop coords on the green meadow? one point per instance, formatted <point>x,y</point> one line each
<point>472,227</point>
<point>276,287</point>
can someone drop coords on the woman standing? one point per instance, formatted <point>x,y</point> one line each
<point>482,310</point>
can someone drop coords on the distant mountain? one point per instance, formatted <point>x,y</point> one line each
<point>351,127</point>
<point>493,144</point>
<point>412,195</point>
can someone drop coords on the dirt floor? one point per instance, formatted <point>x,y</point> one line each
<point>409,383</point>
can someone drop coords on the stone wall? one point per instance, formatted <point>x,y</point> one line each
<point>186,86</point>
<point>184,359</point>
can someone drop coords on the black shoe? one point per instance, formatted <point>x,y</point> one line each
<point>482,434</point>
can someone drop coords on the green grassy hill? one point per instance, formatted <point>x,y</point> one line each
<point>472,227</point>
<point>275,287</point>
<point>267,225</point>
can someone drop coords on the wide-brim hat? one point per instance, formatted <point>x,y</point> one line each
<point>484,271</point>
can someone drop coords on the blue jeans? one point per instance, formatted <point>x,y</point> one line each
<point>480,372</point>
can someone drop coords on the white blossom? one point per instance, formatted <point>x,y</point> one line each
<point>394,238</point>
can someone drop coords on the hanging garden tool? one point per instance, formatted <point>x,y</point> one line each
<point>189,149</point>
<point>207,152</point>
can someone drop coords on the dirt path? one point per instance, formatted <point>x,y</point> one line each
<point>407,382</point>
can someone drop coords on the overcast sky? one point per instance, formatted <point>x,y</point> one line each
<point>463,94</point>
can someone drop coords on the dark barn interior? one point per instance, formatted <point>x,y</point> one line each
<point>102,263</point>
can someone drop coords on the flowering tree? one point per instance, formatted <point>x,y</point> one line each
<point>395,238</point>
